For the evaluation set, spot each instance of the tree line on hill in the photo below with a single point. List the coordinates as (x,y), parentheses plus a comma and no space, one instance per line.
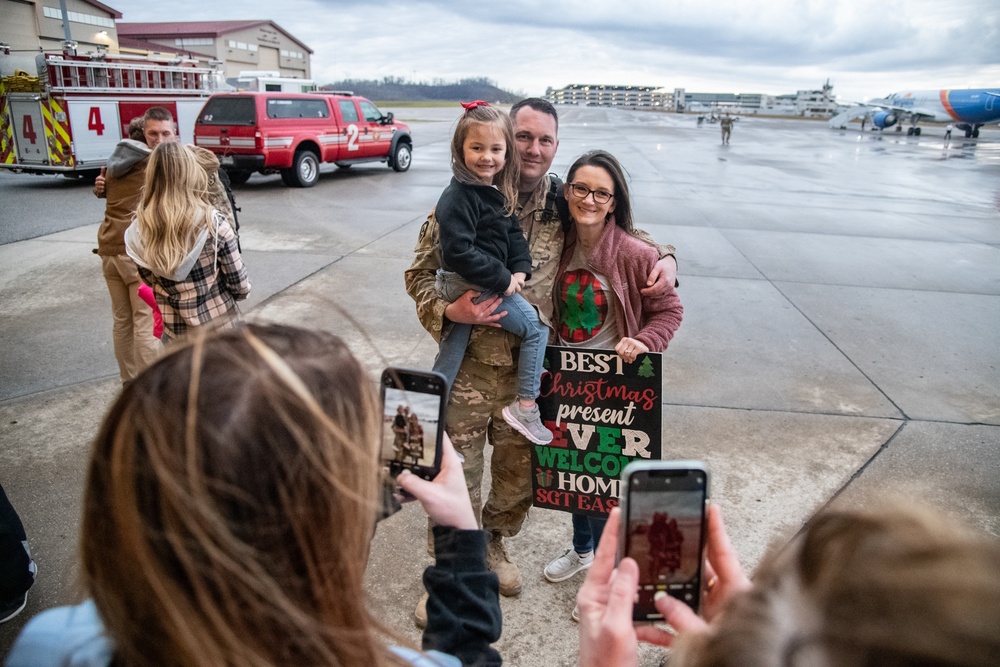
(395,89)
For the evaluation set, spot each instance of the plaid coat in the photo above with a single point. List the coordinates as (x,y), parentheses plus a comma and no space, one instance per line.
(209,292)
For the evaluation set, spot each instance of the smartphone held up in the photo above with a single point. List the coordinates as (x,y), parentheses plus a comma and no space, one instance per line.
(663,529)
(413,404)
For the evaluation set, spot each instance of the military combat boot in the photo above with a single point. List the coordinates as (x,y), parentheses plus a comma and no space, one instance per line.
(499,562)
(420,613)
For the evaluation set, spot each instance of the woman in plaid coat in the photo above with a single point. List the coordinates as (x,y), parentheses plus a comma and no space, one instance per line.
(185,249)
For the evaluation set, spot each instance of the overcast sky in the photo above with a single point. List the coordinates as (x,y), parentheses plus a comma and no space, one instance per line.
(867,48)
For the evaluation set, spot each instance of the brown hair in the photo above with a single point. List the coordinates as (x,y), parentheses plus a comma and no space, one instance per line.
(230,500)
(507,178)
(610,164)
(157,113)
(538,104)
(892,586)
(135,129)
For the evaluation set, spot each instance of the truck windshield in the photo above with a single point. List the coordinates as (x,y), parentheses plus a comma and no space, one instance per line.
(229,111)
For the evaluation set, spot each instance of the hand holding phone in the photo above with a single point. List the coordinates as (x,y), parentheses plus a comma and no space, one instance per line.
(607,635)
(663,530)
(446,499)
(606,600)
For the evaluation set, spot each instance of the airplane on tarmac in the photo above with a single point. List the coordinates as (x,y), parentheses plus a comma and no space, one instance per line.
(969,109)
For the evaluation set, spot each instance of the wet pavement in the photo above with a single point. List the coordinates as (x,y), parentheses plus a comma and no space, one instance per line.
(841,338)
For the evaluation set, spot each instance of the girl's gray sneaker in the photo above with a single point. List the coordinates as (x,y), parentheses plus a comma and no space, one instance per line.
(527,422)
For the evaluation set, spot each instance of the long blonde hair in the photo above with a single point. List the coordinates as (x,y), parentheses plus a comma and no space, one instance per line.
(231,498)
(173,208)
(215,195)
(506,179)
(896,585)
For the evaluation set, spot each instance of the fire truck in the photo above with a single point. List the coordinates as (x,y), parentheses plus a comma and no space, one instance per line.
(69,115)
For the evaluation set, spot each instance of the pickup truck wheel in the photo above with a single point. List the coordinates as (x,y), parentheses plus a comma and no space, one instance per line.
(238,176)
(402,157)
(304,171)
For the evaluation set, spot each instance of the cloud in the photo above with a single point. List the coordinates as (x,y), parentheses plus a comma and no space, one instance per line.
(779,46)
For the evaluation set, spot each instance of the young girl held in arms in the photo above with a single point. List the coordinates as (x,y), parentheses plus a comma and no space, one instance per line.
(484,249)
(184,248)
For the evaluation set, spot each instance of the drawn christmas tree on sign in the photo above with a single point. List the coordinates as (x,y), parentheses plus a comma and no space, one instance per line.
(646,368)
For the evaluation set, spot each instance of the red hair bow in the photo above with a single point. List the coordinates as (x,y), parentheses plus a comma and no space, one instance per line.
(473,105)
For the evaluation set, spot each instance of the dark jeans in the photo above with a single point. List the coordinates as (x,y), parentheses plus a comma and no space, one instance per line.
(587,531)
(16,567)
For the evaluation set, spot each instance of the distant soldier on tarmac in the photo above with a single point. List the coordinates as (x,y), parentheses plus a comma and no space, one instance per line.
(726,122)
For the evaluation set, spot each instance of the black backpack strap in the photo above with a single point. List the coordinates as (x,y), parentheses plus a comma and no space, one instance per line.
(555,197)
(224,179)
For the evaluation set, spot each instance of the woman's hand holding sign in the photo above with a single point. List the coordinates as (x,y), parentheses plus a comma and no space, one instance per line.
(629,348)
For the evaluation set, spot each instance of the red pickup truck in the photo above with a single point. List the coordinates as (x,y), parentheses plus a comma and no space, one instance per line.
(292,133)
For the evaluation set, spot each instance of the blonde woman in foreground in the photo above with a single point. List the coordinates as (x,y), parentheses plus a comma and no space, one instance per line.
(232,494)
(892,586)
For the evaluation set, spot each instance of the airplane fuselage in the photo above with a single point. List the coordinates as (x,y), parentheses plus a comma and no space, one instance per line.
(970,105)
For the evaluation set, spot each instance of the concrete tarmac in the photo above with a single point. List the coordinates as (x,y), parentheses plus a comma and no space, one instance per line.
(841,338)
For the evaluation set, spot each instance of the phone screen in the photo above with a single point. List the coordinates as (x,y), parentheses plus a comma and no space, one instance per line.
(664,533)
(412,421)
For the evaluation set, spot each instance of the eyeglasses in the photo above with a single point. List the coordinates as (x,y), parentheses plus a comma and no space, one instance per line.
(581,192)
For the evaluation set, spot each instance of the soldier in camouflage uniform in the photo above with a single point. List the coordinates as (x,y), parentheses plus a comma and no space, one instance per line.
(487,380)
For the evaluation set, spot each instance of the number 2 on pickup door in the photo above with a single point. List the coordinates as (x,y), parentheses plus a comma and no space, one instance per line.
(352,137)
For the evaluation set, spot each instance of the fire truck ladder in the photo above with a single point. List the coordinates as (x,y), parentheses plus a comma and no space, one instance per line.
(77,76)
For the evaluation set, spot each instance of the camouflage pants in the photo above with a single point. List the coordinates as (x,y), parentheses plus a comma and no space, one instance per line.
(479,394)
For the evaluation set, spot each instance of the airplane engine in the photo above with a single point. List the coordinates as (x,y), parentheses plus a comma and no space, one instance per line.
(884,119)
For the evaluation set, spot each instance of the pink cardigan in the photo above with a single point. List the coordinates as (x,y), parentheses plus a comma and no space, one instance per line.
(627,262)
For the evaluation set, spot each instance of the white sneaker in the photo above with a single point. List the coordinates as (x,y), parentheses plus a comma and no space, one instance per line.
(567,565)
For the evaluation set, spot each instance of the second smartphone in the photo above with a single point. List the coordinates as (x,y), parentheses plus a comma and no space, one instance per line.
(663,530)
(413,405)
